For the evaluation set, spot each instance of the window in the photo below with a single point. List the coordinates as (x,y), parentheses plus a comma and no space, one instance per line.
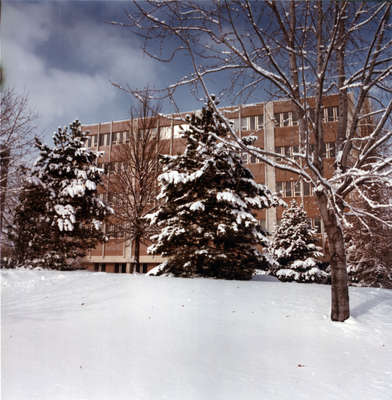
(101,139)
(277,119)
(244,123)
(330,150)
(311,114)
(284,188)
(253,159)
(306,188)
(252,121)
(109,167)
(116,268)
(317,224)
(279,187)
(142,268)
(323,149)
(119,228)
(100,267)
(119,166)
(165,132)
(288,189)
(295,151)
(297,189)
(287,151)
(154,131)
(294,118)
(331,113)
(123,268)
(244,158)
(260,121)
(236,124)
(286,119)
(114,137)
(89,141)
(111,230)
(279,150)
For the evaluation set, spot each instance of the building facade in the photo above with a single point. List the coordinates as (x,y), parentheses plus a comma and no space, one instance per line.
(276,128)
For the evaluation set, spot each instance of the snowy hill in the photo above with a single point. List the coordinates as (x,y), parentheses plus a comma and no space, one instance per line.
(81,335)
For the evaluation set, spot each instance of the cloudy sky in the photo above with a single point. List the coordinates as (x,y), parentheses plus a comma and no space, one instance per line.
(64,56)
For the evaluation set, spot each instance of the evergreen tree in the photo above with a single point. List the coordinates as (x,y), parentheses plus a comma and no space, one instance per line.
(206,220)
(60,213)
(294,249)
(368,240)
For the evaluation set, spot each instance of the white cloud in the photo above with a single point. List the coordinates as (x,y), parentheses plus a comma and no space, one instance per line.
(60,95)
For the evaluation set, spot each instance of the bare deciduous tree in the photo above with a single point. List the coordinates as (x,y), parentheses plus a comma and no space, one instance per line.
(133,182)
(302,51)
(16,138)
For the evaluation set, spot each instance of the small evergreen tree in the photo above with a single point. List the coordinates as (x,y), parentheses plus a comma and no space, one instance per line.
(294,249)
(206,220)
(60,213)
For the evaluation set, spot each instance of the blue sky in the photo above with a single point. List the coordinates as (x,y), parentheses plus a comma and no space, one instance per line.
(64,56)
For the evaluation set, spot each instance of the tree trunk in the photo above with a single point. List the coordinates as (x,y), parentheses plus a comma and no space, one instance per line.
(137,253)
(5,154)
(340,305)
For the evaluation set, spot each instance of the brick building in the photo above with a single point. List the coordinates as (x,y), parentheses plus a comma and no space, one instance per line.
(275,125)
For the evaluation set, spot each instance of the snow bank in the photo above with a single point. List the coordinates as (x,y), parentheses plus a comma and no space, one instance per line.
(82,335)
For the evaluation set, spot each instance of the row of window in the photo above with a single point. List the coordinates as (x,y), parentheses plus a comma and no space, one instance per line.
(114,231)
(121,268)
(100,267)
(253,123)
(290,118)
(113,166)
(327,150)
(293,189)
(105,139)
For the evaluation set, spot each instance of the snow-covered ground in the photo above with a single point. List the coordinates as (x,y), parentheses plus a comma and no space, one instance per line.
(82,335)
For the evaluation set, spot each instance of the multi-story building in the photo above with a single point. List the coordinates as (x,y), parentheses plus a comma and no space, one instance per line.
(276,128)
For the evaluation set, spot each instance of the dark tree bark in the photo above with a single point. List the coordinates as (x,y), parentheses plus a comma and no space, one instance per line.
(340,304)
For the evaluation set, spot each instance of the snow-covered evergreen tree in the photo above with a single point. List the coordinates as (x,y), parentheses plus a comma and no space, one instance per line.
(368,240)
(294,250)
(208,226)
(60,213)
